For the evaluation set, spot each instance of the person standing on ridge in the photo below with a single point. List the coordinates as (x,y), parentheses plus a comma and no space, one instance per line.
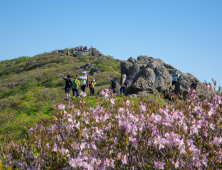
(91,86)
(83,80)
(175,77)
(75,86)
(69,84)
(123,84)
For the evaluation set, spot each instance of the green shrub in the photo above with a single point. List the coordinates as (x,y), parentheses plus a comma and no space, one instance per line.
(85,58)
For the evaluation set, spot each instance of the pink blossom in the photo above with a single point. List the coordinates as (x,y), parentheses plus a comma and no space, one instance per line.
(112,100)
(142,108)
(31,130)
(54,149)
(61,107)
(83,94)
(127,102)
(193,129)
(124,159)
(159,165)
(217,141)
(212,126)
(106,162)
(133,140)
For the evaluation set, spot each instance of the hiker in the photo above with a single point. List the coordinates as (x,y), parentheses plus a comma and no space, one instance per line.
(175,77)
(123,84)
(83,81)
(91,86)
(69,84)
(75,86)
(113,85)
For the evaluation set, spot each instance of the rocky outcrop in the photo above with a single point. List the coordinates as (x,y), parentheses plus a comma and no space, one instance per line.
(150,74)
(186,81)
(9,65)
(56,52)
(147,73)
(94,71)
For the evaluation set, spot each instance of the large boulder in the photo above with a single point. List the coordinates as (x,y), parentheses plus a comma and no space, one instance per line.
(143,80)
(186,81)
(162,78)
(130,69)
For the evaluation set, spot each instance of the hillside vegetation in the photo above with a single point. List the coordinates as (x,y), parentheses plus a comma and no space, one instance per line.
(29,85)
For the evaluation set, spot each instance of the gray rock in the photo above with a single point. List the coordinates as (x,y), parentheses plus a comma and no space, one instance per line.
(162,77)
(143,59)
(142,93)
(56,52)
(132,60)
(130,70)
(31,62)
(133,95)
(94,71)
(186,81)
(87,66)
(144,80)
(10,64)
(68,53)
(78,67)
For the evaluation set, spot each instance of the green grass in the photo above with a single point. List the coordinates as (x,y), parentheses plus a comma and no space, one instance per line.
(32,84)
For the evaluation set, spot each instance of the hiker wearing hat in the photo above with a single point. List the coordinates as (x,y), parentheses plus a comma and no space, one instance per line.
(175,77)
(69,84)
(83,81)
(91,86)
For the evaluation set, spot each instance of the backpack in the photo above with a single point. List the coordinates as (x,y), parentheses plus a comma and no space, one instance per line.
(113,84)
(126,83)
(76,84)
(70,83)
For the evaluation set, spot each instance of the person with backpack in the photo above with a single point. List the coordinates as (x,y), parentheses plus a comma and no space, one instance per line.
(123,84)
(75,86)
(113,85)
(91,86)
(69,84)
(83,81)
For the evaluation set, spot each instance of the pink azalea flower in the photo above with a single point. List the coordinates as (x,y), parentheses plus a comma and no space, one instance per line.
(159,165)
(112,100)
(83,94)
(124,159)
(142,108)
(106,162)
(61,107)
(31,130)
(54,149)
(127,102)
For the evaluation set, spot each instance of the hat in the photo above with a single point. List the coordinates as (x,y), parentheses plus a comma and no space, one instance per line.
(83,72)
(93,79)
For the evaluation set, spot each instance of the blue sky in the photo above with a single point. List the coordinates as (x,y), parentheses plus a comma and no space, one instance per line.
(184,33)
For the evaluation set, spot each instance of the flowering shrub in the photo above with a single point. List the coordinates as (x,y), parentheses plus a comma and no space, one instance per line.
(180,135)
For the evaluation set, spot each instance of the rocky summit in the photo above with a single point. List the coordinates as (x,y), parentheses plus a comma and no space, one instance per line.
(147,74)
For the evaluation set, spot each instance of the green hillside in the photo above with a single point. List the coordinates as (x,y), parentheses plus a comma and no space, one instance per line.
(29,85)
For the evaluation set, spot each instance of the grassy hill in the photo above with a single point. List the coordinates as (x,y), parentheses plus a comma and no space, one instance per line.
(29,85)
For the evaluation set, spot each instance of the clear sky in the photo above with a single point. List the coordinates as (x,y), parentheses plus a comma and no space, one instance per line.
(184,33)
